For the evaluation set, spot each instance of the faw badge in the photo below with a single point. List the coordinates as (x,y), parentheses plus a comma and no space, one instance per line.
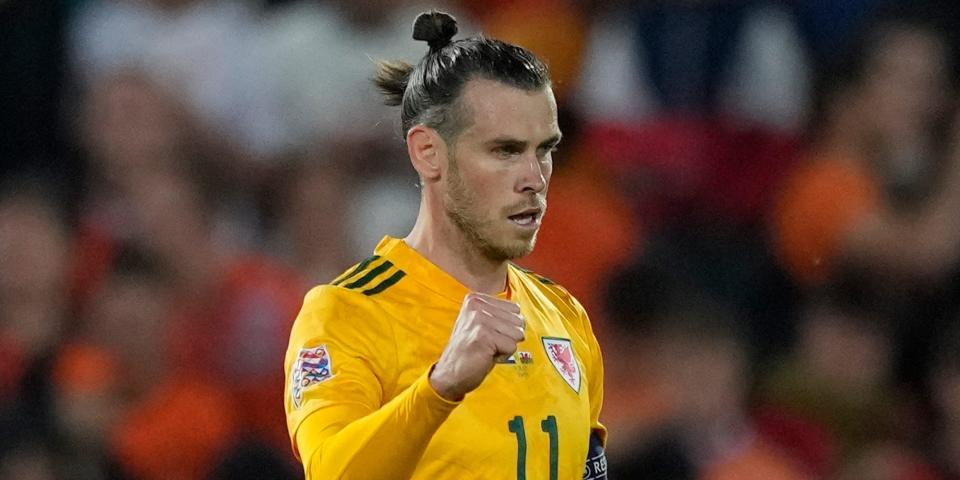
(560,353)
(311,368)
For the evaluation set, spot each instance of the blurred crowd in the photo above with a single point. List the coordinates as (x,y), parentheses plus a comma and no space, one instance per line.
(758,202)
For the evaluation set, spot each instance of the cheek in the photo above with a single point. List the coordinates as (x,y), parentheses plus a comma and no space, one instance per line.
(487,188)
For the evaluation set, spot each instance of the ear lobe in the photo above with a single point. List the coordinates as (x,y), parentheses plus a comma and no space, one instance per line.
(425,149)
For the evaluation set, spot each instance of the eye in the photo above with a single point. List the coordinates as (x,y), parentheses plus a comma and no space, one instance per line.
(506,151)
(546,152)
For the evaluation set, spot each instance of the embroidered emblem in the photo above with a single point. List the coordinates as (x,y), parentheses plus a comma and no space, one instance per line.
(521,357)
(560,353)
(525,358)
(312,367)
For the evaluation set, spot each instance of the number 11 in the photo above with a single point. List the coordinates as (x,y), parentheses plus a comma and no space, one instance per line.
(548,426)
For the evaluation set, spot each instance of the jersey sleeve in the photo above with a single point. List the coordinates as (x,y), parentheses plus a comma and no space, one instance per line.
(594,375)
(340,361)
(593,360)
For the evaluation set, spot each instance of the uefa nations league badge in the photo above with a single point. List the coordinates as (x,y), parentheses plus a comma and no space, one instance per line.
(312,367)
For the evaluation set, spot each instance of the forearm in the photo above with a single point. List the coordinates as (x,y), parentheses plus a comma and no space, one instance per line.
(383,444)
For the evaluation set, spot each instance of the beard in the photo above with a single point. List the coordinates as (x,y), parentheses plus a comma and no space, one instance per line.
(461,206)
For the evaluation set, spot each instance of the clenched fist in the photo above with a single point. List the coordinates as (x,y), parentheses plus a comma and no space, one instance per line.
(486,329)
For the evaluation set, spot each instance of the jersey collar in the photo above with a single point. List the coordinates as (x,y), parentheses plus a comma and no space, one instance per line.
(429,275)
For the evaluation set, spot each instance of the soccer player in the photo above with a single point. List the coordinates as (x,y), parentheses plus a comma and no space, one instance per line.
(437,358)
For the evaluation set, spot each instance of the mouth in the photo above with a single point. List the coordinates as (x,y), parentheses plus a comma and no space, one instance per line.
(528,218)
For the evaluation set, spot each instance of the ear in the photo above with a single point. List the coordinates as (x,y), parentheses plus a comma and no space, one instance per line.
(427,152)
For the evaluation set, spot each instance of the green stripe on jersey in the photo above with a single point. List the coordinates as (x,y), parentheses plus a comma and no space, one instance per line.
(370,275)
(358,268)
(386,283)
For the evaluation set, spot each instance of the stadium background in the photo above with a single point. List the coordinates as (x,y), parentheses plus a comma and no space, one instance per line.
(177,173)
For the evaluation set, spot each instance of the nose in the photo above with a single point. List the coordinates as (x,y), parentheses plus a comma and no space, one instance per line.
(535,175)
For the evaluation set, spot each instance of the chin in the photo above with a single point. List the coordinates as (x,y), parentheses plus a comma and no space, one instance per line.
(518,249)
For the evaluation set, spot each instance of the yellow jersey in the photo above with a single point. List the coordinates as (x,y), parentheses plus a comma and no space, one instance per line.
(359,404)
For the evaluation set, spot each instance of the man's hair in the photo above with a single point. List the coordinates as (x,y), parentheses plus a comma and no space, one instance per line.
(428,93)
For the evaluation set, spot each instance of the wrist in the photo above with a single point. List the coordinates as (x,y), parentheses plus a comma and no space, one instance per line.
(443,388)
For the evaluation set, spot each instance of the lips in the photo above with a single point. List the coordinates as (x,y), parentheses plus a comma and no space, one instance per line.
(528,217)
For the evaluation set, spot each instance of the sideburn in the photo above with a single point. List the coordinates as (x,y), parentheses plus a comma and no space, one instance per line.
(457,207)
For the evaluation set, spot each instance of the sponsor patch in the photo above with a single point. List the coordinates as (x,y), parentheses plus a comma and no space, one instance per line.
(560,353)
(312,367)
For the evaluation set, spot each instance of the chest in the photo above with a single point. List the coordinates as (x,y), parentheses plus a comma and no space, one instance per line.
(533,410)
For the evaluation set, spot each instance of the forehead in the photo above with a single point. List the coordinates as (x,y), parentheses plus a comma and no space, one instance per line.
(498,110)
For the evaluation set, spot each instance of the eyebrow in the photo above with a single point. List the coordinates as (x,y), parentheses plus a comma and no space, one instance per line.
(551,142)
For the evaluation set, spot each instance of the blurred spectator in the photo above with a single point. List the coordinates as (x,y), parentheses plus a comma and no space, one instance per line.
(231,309)
(554,30)
(86,405)
(320,213)
(34,314)
(122,406)
(35,248)
(838,380)
(131,127)
(135,130)
(234,302)
(860,200)
(208,50)
(613,84)
(695,59)
(226,326)
(697,364)
(309,214)
(682,170)
(944,384)
(321,56)
(888,462)
(30,459)
(635,405)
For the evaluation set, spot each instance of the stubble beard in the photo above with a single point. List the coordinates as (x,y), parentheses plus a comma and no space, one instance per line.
(458,206)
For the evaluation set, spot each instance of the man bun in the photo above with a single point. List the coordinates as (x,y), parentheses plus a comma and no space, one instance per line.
(436,28)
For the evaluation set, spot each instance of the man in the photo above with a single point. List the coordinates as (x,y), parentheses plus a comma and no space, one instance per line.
(436,357)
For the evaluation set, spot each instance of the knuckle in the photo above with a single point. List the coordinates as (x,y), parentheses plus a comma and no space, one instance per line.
(470,300)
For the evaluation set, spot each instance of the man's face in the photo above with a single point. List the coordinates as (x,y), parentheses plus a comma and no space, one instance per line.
(906,84)
(499,167)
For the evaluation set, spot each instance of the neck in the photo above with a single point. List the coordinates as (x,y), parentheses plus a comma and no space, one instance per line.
(440,241)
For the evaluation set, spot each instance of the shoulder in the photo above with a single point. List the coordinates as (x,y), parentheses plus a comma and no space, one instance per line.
(552,291)
(553,296)
(351,301)
(356,287)
(371,277)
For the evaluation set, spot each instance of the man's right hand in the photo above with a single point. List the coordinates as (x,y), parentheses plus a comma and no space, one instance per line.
(486,329)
